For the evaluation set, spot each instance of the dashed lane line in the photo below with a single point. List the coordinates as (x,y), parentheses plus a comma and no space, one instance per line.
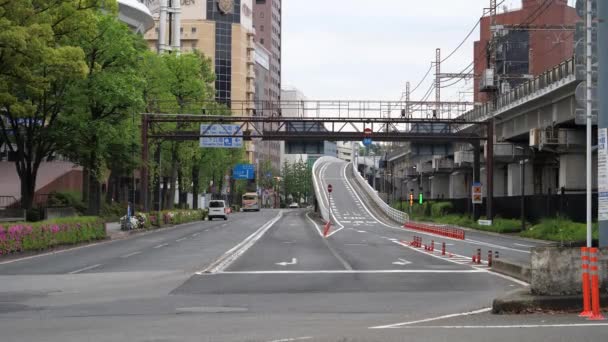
(161,245)
(84,269)
(130,254)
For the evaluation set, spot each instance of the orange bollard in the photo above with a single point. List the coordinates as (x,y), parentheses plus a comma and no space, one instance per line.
(586,286)
(432,245)
(478,255)
(443,248)
(489,258)
(596,315)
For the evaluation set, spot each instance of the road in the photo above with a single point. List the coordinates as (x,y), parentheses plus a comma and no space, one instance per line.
(269,276)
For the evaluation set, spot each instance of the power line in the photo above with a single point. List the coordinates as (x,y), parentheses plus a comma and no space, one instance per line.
(423,78)
(468,34)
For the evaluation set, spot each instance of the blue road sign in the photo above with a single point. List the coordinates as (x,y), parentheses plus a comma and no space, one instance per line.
(236,141)
(367,141)
(243,171)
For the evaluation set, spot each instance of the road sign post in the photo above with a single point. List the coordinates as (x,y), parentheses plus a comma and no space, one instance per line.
(476,193)
(328,224)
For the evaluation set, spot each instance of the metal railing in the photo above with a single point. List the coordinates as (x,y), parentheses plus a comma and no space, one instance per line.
(549,77)
(394,214)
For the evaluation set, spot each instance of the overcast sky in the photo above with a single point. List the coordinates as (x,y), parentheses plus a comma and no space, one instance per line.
(362,49)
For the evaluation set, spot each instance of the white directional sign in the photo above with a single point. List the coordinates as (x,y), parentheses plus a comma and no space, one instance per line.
(401,262)
(285,263)
(234,141)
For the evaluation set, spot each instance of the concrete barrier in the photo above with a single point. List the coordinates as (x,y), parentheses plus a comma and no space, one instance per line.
(556,271)
(512,269)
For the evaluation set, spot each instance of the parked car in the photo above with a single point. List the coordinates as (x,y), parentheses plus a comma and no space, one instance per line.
(294,205)
(217,209)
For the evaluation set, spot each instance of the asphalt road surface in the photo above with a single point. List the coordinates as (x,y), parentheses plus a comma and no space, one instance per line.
(271,276)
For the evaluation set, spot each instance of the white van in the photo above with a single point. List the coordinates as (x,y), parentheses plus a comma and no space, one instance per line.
(217,208)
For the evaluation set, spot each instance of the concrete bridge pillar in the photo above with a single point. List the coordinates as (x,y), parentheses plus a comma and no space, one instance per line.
(459,185)
(572,171)
(514,179)
(499,181)
(425,185)
(440,186)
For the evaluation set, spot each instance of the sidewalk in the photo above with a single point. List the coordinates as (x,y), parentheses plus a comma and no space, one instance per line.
(113,231)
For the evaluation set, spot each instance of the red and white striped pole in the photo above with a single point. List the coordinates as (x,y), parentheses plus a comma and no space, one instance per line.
(596,315)
(586,286)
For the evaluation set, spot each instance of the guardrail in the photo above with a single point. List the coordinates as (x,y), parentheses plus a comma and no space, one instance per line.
(557,73)
(455,233)
(316,167)
(394,214)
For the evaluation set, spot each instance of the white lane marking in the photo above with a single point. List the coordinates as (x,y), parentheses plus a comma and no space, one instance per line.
(235,252)
(361,201)
(346,221)
(331,249)
(179,240)
(402,262)
(324,186)
(315,224)
(396,325)
(289,242)
(85,269)
(475,242)
(335,231)
(522,245)
(161,245)
(361,231)
(224,225)
(460,260)
(517,326)
(348,272)
(293,339)
(285,263)
(130,254)
(195,234)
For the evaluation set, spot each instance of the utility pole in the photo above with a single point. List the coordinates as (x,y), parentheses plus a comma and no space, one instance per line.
(588,23)
(438,83)
(602,50)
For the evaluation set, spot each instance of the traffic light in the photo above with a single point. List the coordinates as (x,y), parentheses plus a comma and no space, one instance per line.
(420,198)
(411,199)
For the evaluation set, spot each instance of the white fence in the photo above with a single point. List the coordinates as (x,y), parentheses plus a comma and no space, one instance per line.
(394,214)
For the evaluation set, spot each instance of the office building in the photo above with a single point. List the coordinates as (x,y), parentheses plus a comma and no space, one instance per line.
(267,23)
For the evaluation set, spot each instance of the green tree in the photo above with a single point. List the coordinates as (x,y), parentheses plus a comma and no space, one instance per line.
(38,64)
(103,101)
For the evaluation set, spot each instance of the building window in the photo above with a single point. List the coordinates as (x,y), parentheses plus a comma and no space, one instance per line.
(194,30)
(262,41)
(181,30)
(260,2)
(261,28)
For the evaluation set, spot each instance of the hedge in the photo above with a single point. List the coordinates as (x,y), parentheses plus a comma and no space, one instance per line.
(22,236)
(157,219)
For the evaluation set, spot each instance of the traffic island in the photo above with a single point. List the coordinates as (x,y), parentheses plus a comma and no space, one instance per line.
(522,301)
(555,276)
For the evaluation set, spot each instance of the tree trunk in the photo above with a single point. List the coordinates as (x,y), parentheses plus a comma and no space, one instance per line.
(170,195)
(183,194)
(94,196)
(94,184)
(165,191)
(85,185)
(27,177)
(111,189)
(195,185)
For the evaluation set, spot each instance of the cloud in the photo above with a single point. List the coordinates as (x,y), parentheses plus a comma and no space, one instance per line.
(368,49)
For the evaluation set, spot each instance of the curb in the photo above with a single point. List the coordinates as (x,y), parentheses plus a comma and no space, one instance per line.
(522,301)
(512,269)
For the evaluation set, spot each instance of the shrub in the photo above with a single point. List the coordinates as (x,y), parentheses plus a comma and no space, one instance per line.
(559,229)
(441,208)
(67,199)
(23,236)
(114,211)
